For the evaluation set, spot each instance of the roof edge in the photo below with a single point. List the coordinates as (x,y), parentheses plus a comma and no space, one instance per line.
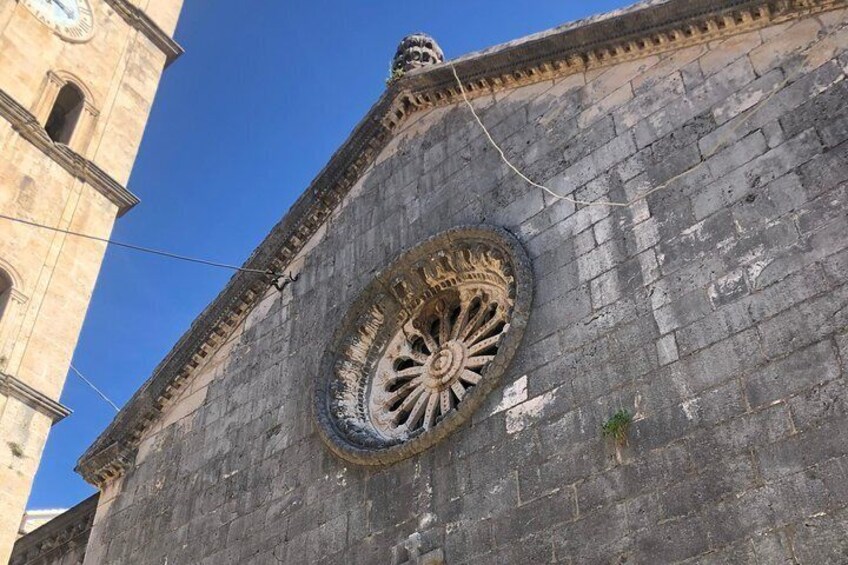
(554,54)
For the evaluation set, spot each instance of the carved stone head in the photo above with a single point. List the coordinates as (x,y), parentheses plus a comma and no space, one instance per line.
(417,50)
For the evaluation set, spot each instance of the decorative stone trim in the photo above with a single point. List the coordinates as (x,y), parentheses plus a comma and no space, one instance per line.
(18,296)
(560,52)
(423,345)
(69,529)
(30,129)
(553,55)
(416,51)
(15,388)
(135,17)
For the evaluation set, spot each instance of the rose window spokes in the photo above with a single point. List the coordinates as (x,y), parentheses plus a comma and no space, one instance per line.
(436,360)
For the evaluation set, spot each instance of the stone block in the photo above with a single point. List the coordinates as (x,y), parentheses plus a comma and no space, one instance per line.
(802,450)
(742,183)
(667,350)
(821,111)
(703,486)
(655,471)
(818,404)
(779,49)
(605,106)
(805,323)
(726,321)
(802,370)
(607,529)
(669,63)
(727,50)
(785,101)
(822,538)
(715,89)
(748,97)
(775,200)
(649,101)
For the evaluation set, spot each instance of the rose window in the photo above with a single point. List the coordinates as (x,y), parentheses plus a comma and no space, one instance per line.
(424,345)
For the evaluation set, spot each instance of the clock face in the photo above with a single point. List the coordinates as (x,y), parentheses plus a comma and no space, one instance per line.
(71,19)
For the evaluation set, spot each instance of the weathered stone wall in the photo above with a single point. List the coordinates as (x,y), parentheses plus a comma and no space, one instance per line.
(53,274)
(714,310)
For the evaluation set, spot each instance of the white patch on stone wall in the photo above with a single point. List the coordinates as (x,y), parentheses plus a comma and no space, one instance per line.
(427,520)
(667,350)
(726,285)
(640,211)
(665,317)
(526,413)
(743,102)
(690,409)
(755,270)
(649,267)
(637,408)
(144,448)
(513,394)
(260,310)
(726,243)
(696,231)
(582,419)
(753,255)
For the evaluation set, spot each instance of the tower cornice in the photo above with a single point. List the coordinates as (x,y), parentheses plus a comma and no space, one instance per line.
(16,388)
(137,18)
(84,169)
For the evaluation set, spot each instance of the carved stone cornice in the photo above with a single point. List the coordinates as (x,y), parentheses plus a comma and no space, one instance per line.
(30,129)
(16,388)
(69,529)
(135,17)
(571,49)
(555,54)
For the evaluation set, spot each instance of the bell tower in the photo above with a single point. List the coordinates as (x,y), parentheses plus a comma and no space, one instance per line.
(77,81)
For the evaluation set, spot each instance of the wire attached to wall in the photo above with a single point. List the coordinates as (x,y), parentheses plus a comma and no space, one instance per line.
(719,145)
(94,388)
(278,280)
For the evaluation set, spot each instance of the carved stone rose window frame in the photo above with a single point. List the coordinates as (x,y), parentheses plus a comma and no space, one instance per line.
(423,345)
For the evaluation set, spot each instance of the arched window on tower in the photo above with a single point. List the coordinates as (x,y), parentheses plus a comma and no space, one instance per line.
(65,114)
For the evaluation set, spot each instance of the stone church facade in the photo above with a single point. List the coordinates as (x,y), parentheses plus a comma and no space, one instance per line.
(433,385)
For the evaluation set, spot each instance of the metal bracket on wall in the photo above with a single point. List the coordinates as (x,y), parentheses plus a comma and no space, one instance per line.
(281,280)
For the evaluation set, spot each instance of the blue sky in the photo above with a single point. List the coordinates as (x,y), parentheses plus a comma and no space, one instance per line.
(242,123)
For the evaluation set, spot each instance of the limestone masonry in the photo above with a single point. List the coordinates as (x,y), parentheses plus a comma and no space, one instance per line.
(700,283)
(72,113)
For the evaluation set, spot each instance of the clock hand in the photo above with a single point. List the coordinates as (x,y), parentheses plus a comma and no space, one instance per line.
(61,4)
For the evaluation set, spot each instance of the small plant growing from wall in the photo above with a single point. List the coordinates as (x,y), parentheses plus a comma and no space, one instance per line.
(618,427)
(395,74)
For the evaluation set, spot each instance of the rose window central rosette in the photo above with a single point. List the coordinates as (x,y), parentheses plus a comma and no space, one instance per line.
(423,345)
